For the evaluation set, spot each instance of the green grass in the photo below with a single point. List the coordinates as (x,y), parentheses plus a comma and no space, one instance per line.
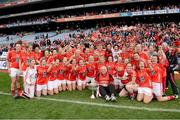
(10,108)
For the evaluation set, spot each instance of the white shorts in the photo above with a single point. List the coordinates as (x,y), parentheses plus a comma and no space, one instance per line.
(52,85)
(81,82)
(41,87)
(116,81)
(60,82)
(71,82)
(145,90)
(157,89)
(90,79)
(14,72)
(29,90)
(23,74)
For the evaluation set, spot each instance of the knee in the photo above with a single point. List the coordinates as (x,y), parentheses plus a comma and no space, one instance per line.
(146,101)
(13,81)
(139,99)
(38,94)
(121,94)
(128,87)
(159,100)
(50,92)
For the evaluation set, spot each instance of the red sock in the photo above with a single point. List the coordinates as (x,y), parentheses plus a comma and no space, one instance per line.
(19,92)
(132,94)
(19,89)
(12,92)
(171,97)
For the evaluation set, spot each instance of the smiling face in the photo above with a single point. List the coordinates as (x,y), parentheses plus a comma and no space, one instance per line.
(54,52)
(136,57)
(103,70)
(30,48)
(57,62)
(108,47)
(46,53)
(141,65)
(154,59)
(43,62)
(81,63)
(37,49)
(74,61)
(18,47)
(129,67)
(101,59)
(32,63)
(116,48)
(110,59)
(65,60)
(91,59)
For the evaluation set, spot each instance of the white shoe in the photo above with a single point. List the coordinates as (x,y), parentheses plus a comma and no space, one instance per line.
(113,98)
(176,96)
(107,98)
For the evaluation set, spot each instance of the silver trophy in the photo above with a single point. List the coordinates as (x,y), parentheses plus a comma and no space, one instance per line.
(93,88)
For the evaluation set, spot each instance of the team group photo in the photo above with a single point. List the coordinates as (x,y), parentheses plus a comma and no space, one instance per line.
(89,59)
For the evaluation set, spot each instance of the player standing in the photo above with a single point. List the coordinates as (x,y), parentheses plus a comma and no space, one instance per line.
(14,68)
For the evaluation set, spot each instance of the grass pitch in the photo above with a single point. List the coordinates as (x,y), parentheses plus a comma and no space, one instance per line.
(78,105)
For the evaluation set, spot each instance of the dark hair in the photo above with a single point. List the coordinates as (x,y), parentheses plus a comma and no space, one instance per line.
(19,42)
(157,58)
(116,45)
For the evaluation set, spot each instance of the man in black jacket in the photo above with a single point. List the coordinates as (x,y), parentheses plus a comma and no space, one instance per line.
(173,62)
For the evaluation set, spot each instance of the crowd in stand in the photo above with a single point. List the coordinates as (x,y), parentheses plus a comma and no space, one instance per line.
(89,12)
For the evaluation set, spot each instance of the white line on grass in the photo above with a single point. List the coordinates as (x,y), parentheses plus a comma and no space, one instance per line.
(104,105)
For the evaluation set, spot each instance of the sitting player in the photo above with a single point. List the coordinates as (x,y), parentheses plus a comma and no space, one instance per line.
(30,80)
(129,81)
(145,84)
(105,82)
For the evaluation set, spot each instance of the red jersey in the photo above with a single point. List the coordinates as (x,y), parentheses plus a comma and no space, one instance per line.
(163,65)
(117,72)
(72,73)
(37,56)
(69,54)
(62,75)
(110,67)
(53,73)
(124,55)
(91,70)
(98,67)
(14,58)
(50,59)
(143,55)
(82,72)
(144,79)
(104,79)
(86,56)
(26,57)
(130,75)
(42,75)
(156,74)
(100,52)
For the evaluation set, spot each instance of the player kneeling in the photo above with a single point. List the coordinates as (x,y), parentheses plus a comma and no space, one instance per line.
(72,75)
(91,71)
(62,74)
(156,76)
(53,82)
(42,78)
(105,82)
(82,74)
(145,85)
(30,80)
(129,81)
